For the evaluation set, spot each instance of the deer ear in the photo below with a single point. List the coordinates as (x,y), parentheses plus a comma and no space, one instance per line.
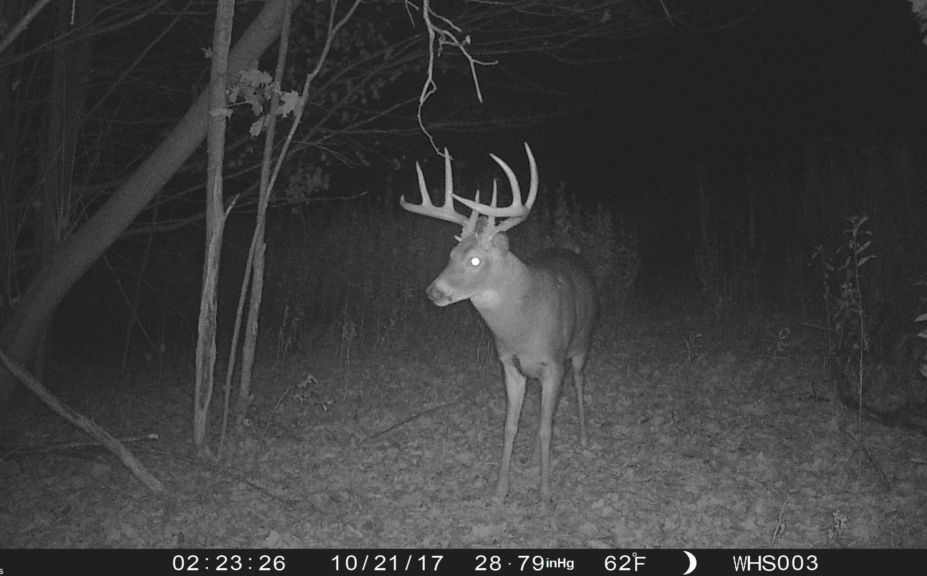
(500,242)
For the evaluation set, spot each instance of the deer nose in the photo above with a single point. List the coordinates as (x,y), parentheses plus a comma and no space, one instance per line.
(438,295)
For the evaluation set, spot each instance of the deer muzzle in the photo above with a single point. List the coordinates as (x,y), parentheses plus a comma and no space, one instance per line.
(440,293)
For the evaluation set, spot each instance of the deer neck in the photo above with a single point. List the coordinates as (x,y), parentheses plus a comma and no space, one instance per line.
(501,305)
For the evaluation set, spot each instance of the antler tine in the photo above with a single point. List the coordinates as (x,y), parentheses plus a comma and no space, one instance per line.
(448,180)
(469,226)
(426,208)
(533,184)
(517,210)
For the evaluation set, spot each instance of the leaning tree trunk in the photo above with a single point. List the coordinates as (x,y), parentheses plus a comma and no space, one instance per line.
(26,325)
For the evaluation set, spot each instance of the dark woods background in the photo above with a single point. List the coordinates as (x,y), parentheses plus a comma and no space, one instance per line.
(736,160)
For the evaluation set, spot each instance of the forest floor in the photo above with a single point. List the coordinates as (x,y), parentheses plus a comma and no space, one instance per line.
(702,434)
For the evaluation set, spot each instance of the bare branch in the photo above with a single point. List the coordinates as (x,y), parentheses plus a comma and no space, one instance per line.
(22,24)
(91,30)
(441,36)
(304,96)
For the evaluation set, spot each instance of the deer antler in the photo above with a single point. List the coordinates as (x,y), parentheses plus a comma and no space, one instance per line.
(445,211)
(515,212)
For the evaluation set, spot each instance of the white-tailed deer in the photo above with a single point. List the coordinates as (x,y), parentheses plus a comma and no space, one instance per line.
(541,313)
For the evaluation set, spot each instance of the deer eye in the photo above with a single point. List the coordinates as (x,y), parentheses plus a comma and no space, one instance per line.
(475,261)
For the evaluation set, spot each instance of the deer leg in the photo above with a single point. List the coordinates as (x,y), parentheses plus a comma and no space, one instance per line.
(578,362)
(515,394)
(551,376)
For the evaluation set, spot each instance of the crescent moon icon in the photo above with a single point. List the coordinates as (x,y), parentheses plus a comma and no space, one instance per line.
(692,562)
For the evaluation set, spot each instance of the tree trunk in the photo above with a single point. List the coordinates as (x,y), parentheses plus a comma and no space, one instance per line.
(27,324)
(215,226)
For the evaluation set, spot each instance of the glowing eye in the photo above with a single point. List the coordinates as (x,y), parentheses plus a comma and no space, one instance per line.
(475,261)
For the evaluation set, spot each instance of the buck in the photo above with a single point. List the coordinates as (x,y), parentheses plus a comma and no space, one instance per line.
(541,314)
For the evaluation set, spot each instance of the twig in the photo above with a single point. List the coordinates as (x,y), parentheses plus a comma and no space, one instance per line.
(71,445)
(233,475)
(440,36)
(410,419)
(886,483)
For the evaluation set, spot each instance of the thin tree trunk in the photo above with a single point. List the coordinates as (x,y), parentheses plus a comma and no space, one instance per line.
(21,333)
(137,296)
(215,225)
(258,245)
(70,69)
(7,209)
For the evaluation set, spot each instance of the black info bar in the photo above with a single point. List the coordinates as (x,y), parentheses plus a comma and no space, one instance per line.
(319,562)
